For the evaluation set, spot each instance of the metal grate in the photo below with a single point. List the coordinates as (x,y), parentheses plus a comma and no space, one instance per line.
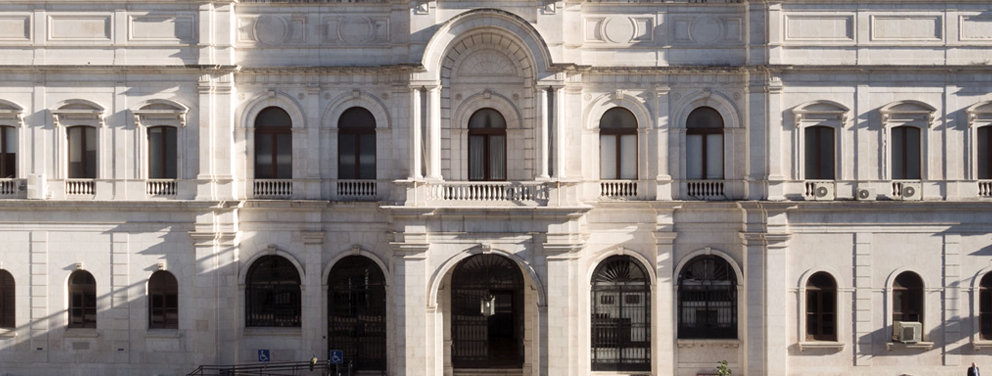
(478,340)
(621,316)
(356,322)
(707,299)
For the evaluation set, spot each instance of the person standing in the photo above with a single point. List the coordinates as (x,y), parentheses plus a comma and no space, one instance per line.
(973,370)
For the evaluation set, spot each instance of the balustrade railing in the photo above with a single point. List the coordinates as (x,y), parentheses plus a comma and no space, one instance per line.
(79,187)
(161,187)
(9,187)
(272,188)
(618,189)
(310,1)
(488,191)
(985,188)
(356,189)
(667,1)
(705,189)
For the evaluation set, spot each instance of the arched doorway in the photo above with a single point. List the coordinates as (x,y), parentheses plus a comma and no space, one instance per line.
(356,313)
(487,307)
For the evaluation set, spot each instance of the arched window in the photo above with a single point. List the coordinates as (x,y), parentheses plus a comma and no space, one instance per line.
(820,152)
(273,144)
(984,156)
(163,301)
(906,157)
(82,152)
(618,144)
(356,144)
(487,145)
(621,316)
(907,298)
(985,307)
(82,300)
(272,293)
(704,144)
(162,152)
(8,152)
(7,301)
(356,306)
(821,308)
(707,299)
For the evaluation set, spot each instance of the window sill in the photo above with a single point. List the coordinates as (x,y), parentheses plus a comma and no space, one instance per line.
(80,333)
(6,333)
(725,343)
(162,333)
(909,346)
(821,345)
(273,332)
(983,344)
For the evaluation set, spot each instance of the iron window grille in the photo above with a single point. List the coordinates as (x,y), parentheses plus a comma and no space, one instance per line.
(621,316)
(272,293)
(356,320)
(480,341)
(707,299)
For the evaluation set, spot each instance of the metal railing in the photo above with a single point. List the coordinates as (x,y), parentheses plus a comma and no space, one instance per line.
(309,1)
(322,368)
(620,189)
(668,1)
(160,187)
(488,191)
(705,189)
(79,187)
(272,188)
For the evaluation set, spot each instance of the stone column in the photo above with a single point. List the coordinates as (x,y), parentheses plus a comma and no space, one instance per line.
(416,118)
(561,252)
(664,178)
(314,327)
(434,132)
(952,302)
(559,131)
(543,130)
(663,329)
(409,340)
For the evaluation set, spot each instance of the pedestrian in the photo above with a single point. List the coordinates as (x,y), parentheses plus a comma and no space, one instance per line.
(973,370)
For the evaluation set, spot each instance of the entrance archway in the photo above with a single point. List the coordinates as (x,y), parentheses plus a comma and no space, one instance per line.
(356,313)
(487,313)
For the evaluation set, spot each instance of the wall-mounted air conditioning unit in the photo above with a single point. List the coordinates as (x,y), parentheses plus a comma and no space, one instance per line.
(908,191)
(37,187)
(823,191)
(907,332)
(865,194)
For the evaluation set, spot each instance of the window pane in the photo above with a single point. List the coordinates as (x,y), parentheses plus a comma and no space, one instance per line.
(11,136)
(497,157)
(826,148)
(171,154)
(367,156)
(617,117)
(984,143)
(704,117)
(628,158)
(346,156)
(75,152)
(898,150)
(913,157)
(476,157)
(263,156)
(608,157)
(714,157)
(155,153)
(90,152)
(694,156)
(284,156)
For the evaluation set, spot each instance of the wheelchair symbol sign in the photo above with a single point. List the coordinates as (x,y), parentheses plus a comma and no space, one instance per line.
(263,355)
(336,356)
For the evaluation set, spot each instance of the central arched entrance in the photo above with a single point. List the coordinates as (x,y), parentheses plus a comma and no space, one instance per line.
(487,306)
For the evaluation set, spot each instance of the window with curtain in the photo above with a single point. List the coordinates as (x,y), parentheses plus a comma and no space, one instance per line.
(985,307)
(273,144)
(356,144)
(707,299)
(984,156)
(821,308)
(487,145)
(163,301)
(82,300)
(704,144)
(618,144)
(907,298)
(621,316)
(82,152)
(8,152)
(162,152)
(272,293)
(820,152)
(906,157)
(7,300)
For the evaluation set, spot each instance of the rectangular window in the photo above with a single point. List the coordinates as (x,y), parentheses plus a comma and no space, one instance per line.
(819,153)
(628,156)
(82,152)
(608,157)
(8,155)
(906,157)
(984,156)
(694,157)
(162,154)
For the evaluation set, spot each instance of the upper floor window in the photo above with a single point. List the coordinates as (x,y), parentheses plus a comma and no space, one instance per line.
(704,144)
(821,308)
(356,144)
(621,316)
(487,145)
(618,144)
(906,157)
(273,144)
(8,152)
(162,154)
(707,296)
(985,307)
(82,152)
(984,156)
(7,300)
(272,293)
(163,301)
(907,298)
(82,300)
(820,152)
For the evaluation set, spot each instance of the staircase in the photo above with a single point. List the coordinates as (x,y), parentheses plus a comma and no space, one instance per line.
(489,372)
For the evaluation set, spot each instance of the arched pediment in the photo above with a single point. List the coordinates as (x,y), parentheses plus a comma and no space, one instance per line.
(908,112)
(160,112)
(11,114)
(821,112)
(79,112)
(980,113)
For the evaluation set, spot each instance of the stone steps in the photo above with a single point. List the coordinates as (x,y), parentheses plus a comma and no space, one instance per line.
(489,372)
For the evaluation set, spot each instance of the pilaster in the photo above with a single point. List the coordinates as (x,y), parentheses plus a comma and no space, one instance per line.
(663,330)
(954,339)
(544,129)
(663,179)
(766,303)
(38,331)
(313,320)
(434,132)
(215,335)
(862,299)
(411,355)
(561,305)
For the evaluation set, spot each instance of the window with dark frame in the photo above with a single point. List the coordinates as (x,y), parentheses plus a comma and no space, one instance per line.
(7,301)
(272,293)
(821,308)
(8,152)
(907,298)
(704,144)
(487,146)
(985,307)
(906,157)
(618,144)
(273,144)
(707,299)
(356,306)
(984,154)
(356,144)
(621,316)
(820,151)
(163,301)
(82,300)
(82,152)
(162,152)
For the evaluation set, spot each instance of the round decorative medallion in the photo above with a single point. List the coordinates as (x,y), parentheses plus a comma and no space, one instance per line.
(618,29)
(737,96)
(458,96)
(271,29)
(355,29)
(241,96)
(299,96)
(327,96)
(385,96)
(516,96)
(676,96)
(588,96)
(705,30)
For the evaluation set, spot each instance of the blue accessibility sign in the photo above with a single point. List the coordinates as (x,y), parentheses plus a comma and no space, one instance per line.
(336,356)
(263,355)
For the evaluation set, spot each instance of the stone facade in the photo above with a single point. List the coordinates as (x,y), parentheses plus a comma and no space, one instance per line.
(770,70)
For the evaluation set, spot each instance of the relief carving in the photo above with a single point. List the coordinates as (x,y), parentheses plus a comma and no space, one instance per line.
(271,30)
(487,63)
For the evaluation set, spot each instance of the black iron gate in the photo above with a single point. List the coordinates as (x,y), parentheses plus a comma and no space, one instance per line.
(356,313)
(487,327)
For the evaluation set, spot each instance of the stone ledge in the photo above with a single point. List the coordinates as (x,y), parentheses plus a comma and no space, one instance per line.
(831,345)
(273,332)
(6,333)
(80,333)
(163,333)
(725,343)
(909,346)
(978,345)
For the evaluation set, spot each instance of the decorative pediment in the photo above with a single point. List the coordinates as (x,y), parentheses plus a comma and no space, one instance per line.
(822,112)
(908,112)
(161,112)
(980,114)
(79,112)
(11,114)
(487,63)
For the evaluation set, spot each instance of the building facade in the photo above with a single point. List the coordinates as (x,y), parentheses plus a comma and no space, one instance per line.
(496,187)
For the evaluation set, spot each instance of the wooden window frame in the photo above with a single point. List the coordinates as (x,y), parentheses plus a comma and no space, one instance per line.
(818,292)
(4,131)
(705,133)
(164,162)
(905,151)
(358,132)
(273,132)
(984,144)
(84,160)
(906,307)
(87,300)
(8,300)
(486,133)
(163,292)
(985,307)
(817,153)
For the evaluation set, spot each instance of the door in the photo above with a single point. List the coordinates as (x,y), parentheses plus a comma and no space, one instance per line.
(356,322)
(487,313)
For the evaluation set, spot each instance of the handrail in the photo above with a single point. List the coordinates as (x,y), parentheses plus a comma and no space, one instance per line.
(273,369)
